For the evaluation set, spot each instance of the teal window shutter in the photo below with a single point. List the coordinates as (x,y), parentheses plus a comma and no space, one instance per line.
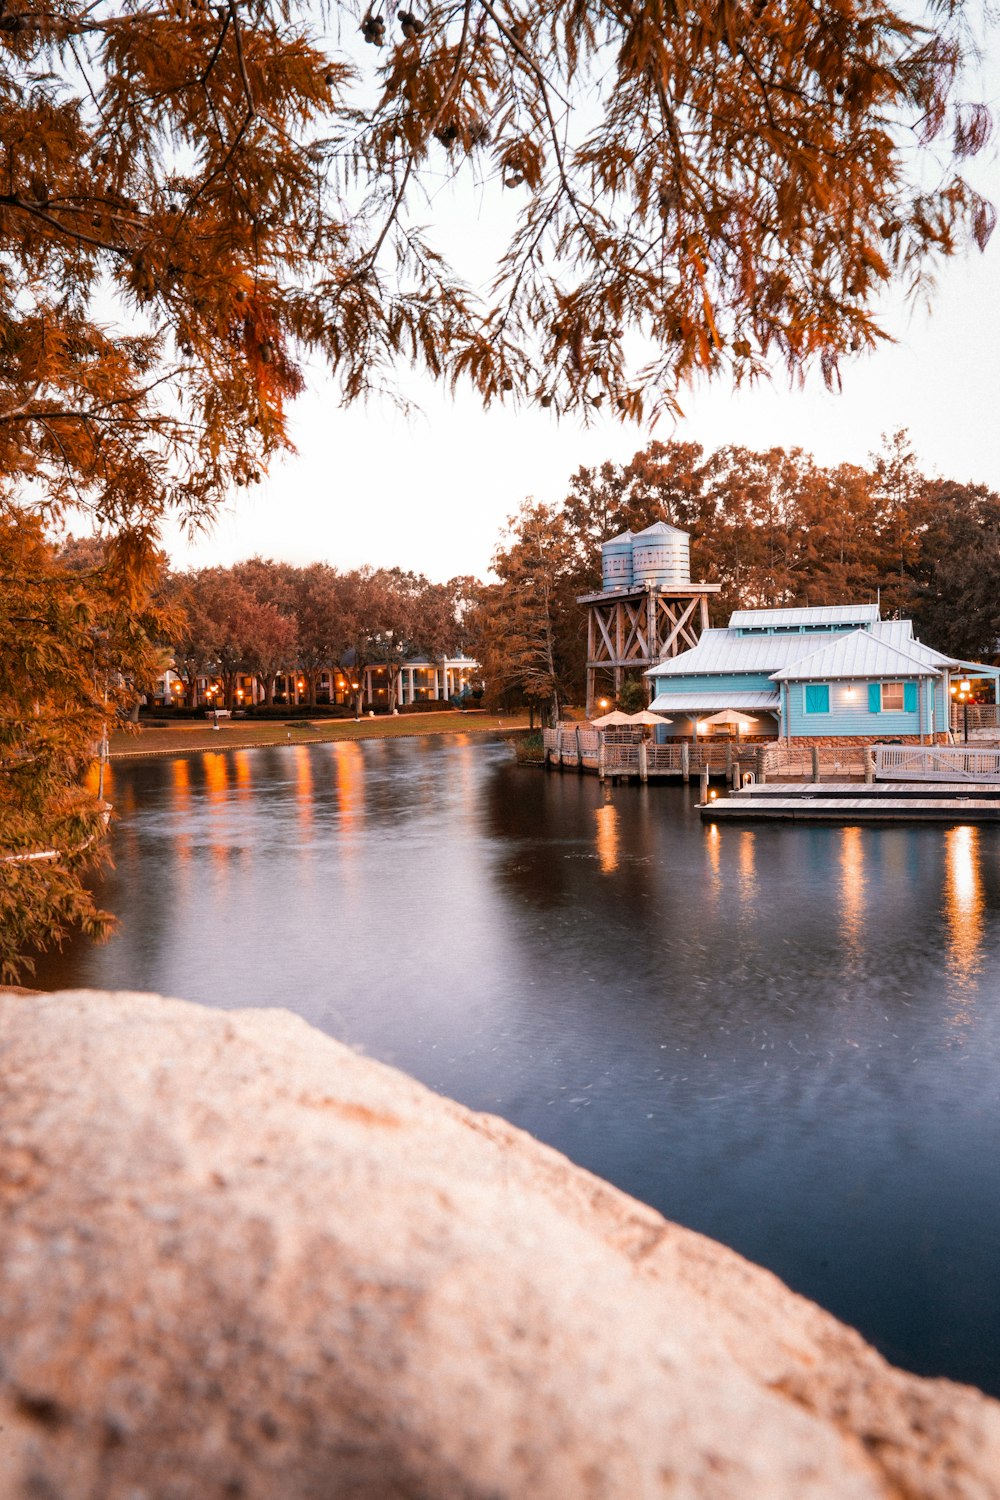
(910,697)
(874,697)
(817,698)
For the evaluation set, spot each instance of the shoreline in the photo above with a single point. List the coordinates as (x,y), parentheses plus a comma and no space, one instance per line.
(193,738)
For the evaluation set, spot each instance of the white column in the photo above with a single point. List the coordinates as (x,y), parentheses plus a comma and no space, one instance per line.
(411,693)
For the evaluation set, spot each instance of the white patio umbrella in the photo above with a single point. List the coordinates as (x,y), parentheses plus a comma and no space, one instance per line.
(647,716)
(616,716)
(731,716)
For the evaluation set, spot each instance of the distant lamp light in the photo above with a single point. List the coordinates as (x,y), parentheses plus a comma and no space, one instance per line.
(964,686)
(744,728)
(851,693)
(703,726)
(712,794)
(602,702)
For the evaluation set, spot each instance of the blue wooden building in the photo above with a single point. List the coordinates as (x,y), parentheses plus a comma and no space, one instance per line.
(813,673)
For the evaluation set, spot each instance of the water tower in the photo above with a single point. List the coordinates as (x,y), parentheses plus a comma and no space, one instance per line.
(647,609)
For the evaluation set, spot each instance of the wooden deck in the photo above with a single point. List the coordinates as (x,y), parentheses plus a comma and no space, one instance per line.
(849,802)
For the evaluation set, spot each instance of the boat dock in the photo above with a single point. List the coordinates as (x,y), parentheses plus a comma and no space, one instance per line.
(851,802)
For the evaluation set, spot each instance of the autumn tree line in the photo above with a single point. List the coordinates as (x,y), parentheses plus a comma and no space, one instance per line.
(261,618)
(773,528)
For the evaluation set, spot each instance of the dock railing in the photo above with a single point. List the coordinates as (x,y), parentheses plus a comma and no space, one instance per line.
(935,763)
(809,762)
(623,752)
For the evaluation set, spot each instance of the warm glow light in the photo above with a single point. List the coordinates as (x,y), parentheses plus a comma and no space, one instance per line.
(964,686)
(607,837)
(703,726)
(744,728)
(712,795)
(851,693)
(602,703)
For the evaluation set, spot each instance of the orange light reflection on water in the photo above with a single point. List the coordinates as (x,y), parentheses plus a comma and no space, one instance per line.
(349,781)
(242,774)
(852,890)
(748,866)
(303,785)
(963,907)
(181,777)
(608,837)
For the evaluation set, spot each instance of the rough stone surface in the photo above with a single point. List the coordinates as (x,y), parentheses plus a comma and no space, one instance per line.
(238,1260)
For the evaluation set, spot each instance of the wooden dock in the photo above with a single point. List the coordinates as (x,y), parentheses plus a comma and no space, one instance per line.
(849,802)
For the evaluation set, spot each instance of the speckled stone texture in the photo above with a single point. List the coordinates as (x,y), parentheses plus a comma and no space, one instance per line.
(239,1260)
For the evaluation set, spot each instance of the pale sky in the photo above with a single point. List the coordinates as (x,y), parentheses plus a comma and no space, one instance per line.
(431,492)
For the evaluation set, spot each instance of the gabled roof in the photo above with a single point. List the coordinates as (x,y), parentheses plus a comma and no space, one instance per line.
(815,615)
(860,654)
(708,702)
(720,650)
(899,633)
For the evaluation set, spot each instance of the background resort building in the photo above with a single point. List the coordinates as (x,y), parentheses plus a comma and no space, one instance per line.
(830,672)
(419,680)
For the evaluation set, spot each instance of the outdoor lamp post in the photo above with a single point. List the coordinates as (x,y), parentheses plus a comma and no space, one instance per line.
(964,693)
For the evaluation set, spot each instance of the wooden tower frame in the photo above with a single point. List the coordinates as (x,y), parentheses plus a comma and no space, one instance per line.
(631,629)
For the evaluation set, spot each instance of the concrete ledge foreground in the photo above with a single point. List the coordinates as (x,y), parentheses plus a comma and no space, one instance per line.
(239,1260)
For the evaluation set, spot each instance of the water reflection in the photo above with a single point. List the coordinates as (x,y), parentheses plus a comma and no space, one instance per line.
(964,907)
(747,857)
(751,1029)
(349,781)
(303,785)
(180,776)
(606,818)
(852,890)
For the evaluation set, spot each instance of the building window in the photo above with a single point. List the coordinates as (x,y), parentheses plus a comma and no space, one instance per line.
(817,697)
(892,697)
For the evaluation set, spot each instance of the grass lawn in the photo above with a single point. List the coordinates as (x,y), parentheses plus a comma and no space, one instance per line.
(193,734)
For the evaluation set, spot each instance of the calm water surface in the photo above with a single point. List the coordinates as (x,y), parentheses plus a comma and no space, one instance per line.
(787,1038)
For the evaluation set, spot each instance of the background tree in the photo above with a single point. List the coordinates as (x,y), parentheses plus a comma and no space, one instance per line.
(525,622)
(52,686)
(957,571)
(318,609)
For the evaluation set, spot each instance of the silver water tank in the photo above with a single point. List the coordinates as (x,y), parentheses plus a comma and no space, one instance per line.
(616,562)
(661,555)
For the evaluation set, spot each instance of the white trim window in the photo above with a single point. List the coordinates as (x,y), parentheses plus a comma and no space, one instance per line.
(893,697)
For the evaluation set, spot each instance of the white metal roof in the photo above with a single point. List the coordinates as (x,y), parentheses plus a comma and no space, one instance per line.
(859,654)
(899,633)
(720,650)
(817,614)
(659,528)
(623,536)
(700,703)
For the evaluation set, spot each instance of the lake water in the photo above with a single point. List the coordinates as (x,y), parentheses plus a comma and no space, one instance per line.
(786,1037)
